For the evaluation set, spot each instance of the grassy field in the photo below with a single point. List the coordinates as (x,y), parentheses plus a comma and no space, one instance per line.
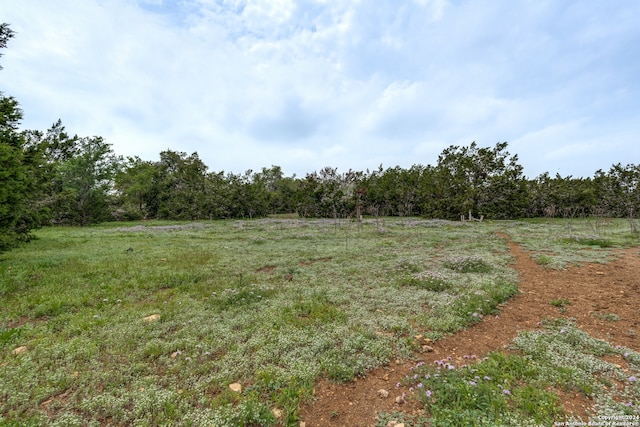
(149,323)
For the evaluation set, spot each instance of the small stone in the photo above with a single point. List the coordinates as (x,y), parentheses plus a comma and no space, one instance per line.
(383,393)
(19,350)
(394,423)
(399,400)
(237,387)
(427,348)
(151,318)
(386,377)
(277,413)
(303,424)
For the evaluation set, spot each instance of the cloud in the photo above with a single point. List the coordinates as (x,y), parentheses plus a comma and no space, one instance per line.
(310,83)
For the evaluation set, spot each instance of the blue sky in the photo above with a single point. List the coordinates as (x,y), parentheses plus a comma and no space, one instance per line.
(345,83)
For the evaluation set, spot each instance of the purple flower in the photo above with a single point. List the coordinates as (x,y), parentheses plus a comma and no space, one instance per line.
(472,383)
(505,391)
(419,385)
(628,404)
(626,355)
(487,378)
(632,378)
(398,385)
(428,393)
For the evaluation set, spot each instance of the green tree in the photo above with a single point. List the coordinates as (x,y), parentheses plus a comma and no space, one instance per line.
(133,184)
(16,170)
(480,181)
(85,182)
(178,187)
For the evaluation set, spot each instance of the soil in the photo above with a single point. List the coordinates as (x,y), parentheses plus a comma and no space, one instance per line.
(593,290)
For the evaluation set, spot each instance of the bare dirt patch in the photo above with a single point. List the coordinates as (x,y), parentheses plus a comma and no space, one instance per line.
(604,300)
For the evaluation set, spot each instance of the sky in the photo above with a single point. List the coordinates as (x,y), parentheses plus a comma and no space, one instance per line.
(351,84)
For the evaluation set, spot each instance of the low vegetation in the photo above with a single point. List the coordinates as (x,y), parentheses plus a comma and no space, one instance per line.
(521,387)
(149,323)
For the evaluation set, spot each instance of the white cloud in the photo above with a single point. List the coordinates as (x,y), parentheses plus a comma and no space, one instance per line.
(306,83)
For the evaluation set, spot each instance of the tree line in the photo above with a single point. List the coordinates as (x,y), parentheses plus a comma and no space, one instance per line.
(54,178)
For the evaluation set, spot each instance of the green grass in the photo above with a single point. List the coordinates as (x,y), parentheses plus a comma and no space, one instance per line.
(557,243)
(521,388)
(274,304)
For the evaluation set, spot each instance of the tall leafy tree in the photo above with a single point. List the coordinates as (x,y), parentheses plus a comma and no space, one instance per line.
(16,170)
(133,184)
(178,187)
(480,181)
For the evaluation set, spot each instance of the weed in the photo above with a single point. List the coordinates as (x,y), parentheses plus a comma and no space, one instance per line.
(467,264)
(483,392)
(560,302)
(609,317)
(543,260)
(431,280)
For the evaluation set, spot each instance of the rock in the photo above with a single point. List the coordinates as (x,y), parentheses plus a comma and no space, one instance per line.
(383,393)
(19,350)
(303,424)
(277,413)
(427,348)
(237,387)
(394,423)
(152,318)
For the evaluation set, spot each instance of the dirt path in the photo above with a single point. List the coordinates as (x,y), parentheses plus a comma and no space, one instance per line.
(594,291)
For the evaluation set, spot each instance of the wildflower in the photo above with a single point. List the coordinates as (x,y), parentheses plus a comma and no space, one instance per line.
(487,378)
(626,354)
(562,331)
(451,367)
(95,316)
(472,383)
(398,385)
(428,393)
(207,353)
(415,377)
(632,378)
(419,385)
(628,404)
(507,392)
